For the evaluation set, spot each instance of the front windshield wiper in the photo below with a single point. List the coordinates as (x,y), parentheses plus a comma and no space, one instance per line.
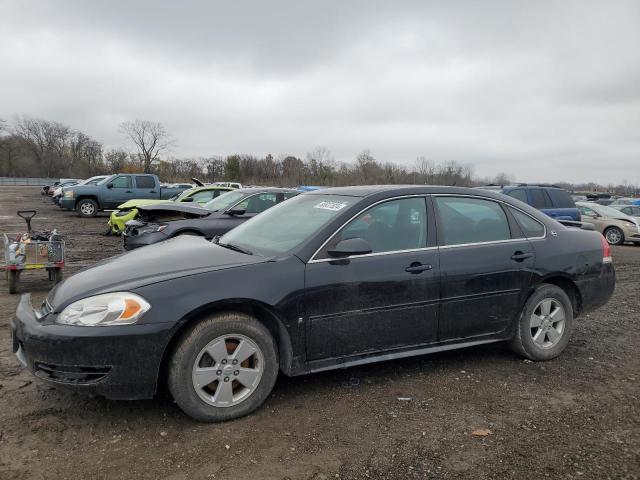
(231,246)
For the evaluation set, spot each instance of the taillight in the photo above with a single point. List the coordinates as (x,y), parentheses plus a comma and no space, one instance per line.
(606,250)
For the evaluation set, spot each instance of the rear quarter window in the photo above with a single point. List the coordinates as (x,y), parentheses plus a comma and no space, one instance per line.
(561,198)
(530,227)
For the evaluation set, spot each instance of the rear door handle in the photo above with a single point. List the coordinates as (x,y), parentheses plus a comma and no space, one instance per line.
(520,256)
(153,191)
(417,267)
(129,191)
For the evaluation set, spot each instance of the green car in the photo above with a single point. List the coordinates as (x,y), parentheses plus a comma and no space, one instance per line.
(129,210)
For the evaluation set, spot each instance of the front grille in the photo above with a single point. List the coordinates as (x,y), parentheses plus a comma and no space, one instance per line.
(76,375)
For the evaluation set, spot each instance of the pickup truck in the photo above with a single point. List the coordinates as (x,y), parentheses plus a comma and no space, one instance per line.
(114,190)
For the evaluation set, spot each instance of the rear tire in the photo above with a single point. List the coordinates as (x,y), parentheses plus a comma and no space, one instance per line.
(545,324)
(211,389)
(87,208)
(614,236)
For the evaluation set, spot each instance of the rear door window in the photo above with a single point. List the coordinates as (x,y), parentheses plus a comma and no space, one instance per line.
(143,181)
(466,220)
(561,198)
(539,198)
(519,194)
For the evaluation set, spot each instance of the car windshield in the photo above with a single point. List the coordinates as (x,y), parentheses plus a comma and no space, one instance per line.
(224,201)
(287,225)
(608,211)
(183,195)
(108,179)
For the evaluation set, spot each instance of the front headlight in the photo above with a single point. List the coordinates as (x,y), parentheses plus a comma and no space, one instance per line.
(69,194)
(119,308)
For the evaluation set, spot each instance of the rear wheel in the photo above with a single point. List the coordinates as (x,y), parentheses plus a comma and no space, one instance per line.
(87,207)
(223,368)
(545,324)
(614,236)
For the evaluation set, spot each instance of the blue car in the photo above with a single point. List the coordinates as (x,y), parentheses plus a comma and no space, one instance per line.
(549,199)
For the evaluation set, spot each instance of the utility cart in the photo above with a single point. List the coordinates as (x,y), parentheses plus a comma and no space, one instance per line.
(32,251)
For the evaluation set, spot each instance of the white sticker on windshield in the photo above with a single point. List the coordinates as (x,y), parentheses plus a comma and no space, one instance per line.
(334,206)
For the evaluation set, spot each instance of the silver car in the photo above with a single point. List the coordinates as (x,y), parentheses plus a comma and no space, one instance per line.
(616,226)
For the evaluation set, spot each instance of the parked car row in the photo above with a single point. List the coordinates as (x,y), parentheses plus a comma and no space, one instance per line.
(297,283)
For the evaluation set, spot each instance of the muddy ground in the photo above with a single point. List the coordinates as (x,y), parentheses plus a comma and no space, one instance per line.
(574,417)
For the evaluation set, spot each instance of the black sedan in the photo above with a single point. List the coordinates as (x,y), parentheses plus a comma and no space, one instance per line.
(329,279)
(159,222)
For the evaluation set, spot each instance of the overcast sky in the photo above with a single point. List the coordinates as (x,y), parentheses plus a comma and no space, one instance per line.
(546,91)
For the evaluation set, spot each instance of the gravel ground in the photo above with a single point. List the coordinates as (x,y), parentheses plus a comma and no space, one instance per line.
(573,417)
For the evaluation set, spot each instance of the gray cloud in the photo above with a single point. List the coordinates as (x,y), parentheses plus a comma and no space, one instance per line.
(544,90)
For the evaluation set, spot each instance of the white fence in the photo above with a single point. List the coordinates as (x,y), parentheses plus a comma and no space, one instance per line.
(27,181)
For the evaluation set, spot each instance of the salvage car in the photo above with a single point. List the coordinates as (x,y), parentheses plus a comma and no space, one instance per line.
(129,210)
(631,210)
(616,226)
(329,279)
(161,222)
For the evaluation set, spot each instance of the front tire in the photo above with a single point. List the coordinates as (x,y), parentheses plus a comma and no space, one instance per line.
(545,324)
(223,368)
(87,208)
(614,236)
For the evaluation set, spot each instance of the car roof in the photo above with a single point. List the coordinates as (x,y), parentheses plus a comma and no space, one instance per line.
(265,189)
(366,190)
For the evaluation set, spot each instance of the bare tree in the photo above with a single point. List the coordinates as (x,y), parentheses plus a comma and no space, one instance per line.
(150,138)
(47,141)
(116,160)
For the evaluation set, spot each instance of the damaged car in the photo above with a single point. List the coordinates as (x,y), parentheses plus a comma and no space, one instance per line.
(157,223)
(329,279)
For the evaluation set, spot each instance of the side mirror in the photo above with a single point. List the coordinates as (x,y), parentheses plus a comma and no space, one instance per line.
(350,246)
(109,185)
(235,211)
(188,199)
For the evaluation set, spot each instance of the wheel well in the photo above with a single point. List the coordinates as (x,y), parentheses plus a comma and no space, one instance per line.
(259,311)
(188,230)
(85,197)
(570,289)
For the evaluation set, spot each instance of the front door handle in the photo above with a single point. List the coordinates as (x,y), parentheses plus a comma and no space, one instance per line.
(417,267)
(521,256)
(129,191)
(153,191)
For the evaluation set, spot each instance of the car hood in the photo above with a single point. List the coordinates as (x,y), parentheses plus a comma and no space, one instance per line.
(176,207)
(139,202)
(173,258)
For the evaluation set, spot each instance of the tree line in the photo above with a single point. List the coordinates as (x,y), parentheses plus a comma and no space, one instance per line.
(33,147)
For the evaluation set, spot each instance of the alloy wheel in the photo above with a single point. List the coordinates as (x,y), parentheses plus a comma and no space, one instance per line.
(87,209)
(227,370)
(613,236)
(547,323)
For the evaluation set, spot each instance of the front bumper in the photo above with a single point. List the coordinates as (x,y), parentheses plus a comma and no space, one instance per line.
(118,220)
(68,203)
(136,241)
(118,362)
(631,234)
